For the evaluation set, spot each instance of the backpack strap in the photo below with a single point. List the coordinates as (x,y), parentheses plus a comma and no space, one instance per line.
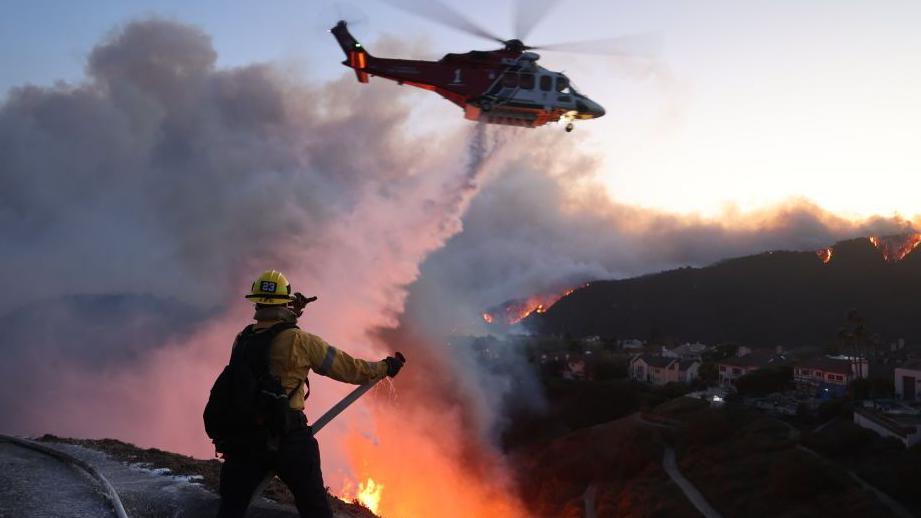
(236,352)
(268,335)
(274,331)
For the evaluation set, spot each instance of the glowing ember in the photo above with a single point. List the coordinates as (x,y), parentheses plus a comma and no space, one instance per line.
(895,248)
(369,494)
(824,254)
(513,312)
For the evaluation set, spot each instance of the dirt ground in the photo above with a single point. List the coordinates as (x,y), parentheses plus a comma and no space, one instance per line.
(207,470)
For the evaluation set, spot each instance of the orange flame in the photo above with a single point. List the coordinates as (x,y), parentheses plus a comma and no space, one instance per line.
(517,311)
(427,471)
(895,248)
(824,254)
(369,494)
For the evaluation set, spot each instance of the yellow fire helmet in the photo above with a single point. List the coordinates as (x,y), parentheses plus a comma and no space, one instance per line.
(271,288)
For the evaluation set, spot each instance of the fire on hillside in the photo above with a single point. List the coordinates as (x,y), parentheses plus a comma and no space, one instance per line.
(824,254)
(514,311)
(893,248)
(368,494)
(896,248)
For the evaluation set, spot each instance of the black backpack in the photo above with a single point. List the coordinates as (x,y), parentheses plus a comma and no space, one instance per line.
(247,411)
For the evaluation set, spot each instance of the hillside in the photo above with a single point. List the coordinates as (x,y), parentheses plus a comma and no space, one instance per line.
(774,298)
(742,463)
(154,483)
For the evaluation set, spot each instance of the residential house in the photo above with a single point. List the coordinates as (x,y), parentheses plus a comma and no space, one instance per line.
(908,380)
(688,370)
(632,344)
(574,369)
(659,370)
(731,369)
(826,377)
(860,367)
(905,428)
(687,351)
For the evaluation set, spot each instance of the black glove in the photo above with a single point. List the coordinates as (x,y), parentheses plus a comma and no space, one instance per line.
(299,303)
(394,364)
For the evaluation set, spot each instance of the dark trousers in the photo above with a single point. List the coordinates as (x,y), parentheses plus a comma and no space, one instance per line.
(297,464)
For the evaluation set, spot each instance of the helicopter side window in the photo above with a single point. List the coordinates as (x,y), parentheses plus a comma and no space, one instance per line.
(562,84)
(546,83)
(510,80)
(527,81)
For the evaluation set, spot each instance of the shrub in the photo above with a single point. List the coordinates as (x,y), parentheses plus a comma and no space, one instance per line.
(765,381)
(840,439)
(609,367)
(795,477)
(708,427)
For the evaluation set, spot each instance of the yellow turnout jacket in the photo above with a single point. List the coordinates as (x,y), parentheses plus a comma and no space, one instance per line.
(296,352)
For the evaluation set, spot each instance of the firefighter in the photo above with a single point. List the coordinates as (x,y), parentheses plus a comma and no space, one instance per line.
(292,354)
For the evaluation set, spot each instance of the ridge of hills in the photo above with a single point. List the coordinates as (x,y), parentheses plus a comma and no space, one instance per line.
(790,298)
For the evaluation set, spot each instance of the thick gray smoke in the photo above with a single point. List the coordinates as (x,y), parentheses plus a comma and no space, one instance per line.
(529,232)
(138,205)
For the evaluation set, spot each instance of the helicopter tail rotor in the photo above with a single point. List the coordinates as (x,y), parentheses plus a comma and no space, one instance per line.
(356,57)
(332,12)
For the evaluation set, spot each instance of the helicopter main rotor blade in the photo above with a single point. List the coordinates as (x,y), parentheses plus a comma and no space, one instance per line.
(438,12)
(646,46)
(331,13)
(528,13)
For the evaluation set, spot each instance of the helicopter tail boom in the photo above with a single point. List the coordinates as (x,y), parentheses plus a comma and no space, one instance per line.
(356,57)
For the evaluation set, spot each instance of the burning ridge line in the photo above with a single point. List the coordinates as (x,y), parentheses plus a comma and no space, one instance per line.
(512,312)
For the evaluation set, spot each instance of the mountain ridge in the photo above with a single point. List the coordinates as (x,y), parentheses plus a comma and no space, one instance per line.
(788,298)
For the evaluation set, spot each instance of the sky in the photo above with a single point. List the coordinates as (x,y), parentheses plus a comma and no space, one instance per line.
(748,104)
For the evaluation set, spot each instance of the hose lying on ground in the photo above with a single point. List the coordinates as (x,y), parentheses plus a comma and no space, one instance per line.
(110,492)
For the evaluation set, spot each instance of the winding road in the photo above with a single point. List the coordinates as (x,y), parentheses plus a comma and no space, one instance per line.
(670,465)
(690,491)
(38,482)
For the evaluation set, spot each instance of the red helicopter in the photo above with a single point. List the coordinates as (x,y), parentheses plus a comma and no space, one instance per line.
(504,86)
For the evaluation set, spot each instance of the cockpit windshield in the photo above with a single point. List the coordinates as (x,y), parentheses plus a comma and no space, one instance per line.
(564,86)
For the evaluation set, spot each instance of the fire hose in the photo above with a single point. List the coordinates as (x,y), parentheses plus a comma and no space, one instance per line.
(324,419)
(107,490)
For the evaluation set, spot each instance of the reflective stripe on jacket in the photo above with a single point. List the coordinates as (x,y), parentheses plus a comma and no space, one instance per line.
(295,352)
